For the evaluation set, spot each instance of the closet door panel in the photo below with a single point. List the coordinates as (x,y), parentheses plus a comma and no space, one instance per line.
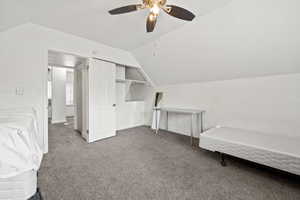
(102,99)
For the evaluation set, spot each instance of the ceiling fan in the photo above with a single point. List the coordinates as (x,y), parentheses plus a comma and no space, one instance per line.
(155,6)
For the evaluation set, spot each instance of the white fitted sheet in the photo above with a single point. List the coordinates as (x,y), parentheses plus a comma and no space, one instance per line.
(19,148)
(20,187)
(276,151)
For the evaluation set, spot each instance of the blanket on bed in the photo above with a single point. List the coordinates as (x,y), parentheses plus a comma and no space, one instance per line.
(19,148)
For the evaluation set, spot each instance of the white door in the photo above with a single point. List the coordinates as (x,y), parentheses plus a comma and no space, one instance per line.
(101,100)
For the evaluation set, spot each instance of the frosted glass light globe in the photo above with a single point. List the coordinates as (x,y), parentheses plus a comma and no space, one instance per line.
(155,9)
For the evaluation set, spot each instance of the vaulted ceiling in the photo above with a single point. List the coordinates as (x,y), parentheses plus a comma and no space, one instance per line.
(228,39)
(90,18)
(245,38)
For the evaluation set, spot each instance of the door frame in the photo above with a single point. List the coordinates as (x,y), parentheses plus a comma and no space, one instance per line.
(45,96)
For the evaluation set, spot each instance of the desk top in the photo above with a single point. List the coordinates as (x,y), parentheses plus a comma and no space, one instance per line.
(180,110)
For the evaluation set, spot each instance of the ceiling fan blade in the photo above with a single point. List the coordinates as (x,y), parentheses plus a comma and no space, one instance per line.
(179,12)
(151,22)
(125,9)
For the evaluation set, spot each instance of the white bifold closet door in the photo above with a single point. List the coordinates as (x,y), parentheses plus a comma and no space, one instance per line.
(101,100)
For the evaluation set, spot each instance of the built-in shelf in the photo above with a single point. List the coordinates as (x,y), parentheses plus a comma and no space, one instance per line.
(120,80)
(130,81)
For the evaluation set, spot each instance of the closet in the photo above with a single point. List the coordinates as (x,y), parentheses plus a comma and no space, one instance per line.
(130,93)
(110,98)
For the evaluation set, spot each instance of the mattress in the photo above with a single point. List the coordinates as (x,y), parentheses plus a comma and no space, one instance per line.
(20,187)
(19,148)
(272,150)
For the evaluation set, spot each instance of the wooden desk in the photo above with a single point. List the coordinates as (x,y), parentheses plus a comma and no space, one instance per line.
(193,112)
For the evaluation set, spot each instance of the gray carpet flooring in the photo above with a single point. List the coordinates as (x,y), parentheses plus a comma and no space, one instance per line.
(138,165)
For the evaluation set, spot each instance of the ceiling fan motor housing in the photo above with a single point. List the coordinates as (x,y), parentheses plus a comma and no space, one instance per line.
(151,3)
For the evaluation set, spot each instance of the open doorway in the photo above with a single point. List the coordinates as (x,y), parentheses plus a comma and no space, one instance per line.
(81,97)
(61,95)
(64,88)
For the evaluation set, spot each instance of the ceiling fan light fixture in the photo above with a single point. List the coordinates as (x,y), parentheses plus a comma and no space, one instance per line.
(152,16)
(155,6)
(155,9)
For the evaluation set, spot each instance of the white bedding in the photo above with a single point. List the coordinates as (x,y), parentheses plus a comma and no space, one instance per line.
(19,148)
(276,151)
(20,187)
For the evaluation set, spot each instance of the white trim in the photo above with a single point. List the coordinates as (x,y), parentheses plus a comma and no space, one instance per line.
(128,127)
(61,66)
(45,106)
(58,122)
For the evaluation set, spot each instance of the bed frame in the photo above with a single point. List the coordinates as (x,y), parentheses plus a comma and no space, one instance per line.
(37,196)
(275,151)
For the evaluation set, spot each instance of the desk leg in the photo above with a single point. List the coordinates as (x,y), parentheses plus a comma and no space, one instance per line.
(198,124)
(202,122)
(167,121)
(192,127)
(156,122)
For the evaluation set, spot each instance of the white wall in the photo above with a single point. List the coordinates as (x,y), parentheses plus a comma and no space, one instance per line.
(267,104)
(24,61)
(70,108)
(59,77)
(129,113)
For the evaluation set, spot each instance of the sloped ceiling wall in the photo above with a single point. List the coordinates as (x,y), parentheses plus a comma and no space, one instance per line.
(242,39)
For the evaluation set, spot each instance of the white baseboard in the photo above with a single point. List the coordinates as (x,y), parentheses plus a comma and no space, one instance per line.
(58,121)
(127,127)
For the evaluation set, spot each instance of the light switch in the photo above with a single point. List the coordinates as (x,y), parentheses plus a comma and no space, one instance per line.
(19,91)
